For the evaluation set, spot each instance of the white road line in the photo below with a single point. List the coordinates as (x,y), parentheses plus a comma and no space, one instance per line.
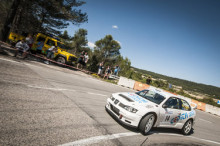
(56,89)
(210,141)
(205,120)
(97,139)
(10,60)
(48,88)
(39,87)
(201,139)
(14,82)
(96,94)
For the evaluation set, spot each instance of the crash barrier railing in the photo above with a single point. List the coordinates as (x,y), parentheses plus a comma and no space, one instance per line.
(138,86)
(114,77)
(5,45)
(200,105)
(212,109)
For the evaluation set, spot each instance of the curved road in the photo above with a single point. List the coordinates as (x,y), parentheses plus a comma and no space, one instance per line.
(48,105)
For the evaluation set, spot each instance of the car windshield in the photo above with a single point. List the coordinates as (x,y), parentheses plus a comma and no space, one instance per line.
(61,45)
(151,95)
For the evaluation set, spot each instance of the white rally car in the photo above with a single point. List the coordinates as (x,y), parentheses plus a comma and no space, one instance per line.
(152,108)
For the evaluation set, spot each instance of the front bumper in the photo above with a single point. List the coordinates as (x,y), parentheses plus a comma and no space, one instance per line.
(122,115)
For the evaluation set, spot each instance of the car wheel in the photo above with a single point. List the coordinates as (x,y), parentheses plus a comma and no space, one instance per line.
(187,127)
(147,123)
(61,60)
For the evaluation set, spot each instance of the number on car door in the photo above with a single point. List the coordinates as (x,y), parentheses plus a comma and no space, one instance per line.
(170,114)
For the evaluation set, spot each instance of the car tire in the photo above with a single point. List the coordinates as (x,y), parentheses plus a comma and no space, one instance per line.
(147,123)
(61,60)
(187,127)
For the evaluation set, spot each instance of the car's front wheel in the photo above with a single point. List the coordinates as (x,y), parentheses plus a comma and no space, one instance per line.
(147,123)
(61,60)
(187,128)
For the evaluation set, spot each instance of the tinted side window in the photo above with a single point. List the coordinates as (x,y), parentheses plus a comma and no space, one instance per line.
(185,105)
(50,42)
(173,103)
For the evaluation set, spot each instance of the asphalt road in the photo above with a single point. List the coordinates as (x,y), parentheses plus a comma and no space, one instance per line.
(48,105)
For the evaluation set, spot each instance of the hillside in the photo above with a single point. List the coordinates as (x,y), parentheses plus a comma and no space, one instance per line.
(212,91)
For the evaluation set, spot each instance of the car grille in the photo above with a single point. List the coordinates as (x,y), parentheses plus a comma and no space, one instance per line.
(116,101)
(121,105)
(114,109)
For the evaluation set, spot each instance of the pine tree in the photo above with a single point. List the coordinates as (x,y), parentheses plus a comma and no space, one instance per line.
(108,48)
(80,40)
(47,16)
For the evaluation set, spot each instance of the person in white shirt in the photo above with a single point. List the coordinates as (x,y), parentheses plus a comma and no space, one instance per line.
(21,47)
(86,59)
(29,40)
(50,53)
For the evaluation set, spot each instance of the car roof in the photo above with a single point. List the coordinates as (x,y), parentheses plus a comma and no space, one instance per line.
(165,93)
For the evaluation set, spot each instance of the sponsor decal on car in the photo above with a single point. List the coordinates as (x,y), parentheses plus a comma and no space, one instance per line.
(175,120)
(137,98)
(182,117)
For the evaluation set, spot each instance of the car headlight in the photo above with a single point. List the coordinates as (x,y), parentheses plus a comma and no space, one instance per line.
(130,109)
(112,98)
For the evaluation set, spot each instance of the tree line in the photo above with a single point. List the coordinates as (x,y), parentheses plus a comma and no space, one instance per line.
(46,16)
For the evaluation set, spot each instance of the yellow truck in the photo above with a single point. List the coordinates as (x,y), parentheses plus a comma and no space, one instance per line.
(61,56)
(14,37)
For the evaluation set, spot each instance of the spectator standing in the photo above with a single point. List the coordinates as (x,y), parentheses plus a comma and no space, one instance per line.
(50,53)
(116,70)
(40,46)
(100,68)
(21,47)
(86,58)
(80,60)
(29,40)
(148,80)
(107,72)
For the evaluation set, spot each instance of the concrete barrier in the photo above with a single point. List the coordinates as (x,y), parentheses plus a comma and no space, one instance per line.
(126,82)
(212,109)
(140,86)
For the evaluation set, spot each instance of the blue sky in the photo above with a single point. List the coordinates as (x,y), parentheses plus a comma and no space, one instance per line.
(177,38)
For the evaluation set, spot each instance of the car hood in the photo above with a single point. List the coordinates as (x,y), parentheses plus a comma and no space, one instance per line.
(66,53)
(132,98)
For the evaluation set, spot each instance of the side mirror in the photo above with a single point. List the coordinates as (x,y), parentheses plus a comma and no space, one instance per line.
(193,105)
(164,106)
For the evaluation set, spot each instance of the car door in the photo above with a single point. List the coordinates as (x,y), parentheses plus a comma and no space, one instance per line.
(170,112)
(49,43)
(186,111)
